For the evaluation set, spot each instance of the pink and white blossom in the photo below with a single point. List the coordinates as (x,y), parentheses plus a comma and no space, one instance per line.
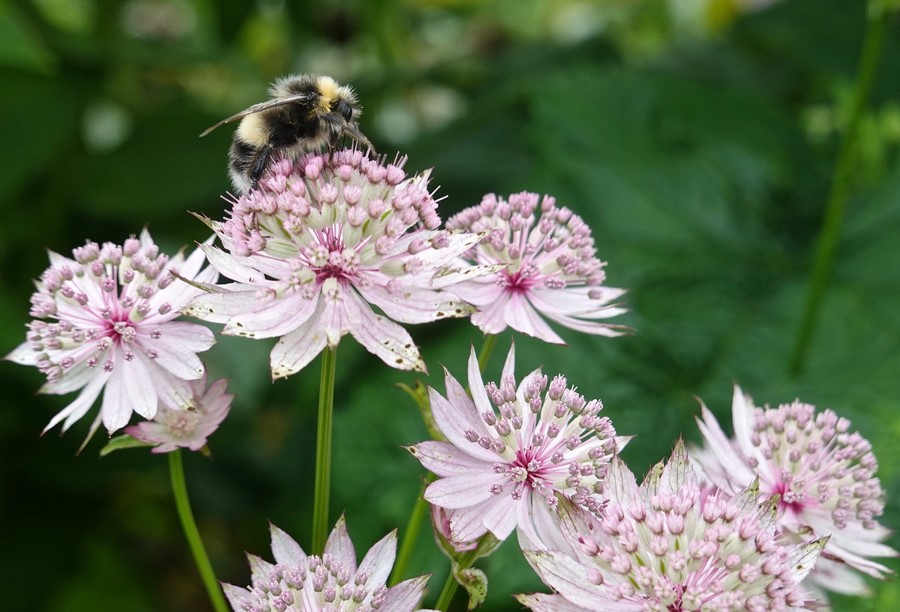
(331,582)
(824,474)
(549,269)
(322,241)
(104,322)
(504,467)
(664,546)
(188,425)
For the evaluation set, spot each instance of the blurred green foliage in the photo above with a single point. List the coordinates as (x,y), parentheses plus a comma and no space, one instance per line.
(696,137)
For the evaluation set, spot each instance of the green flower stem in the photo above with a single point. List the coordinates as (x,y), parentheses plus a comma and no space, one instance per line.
(486,349)
(323,451)
(411,534)
(840,186)
(183,504)
(449,590)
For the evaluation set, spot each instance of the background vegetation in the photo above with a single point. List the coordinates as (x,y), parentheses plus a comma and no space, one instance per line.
(697,137)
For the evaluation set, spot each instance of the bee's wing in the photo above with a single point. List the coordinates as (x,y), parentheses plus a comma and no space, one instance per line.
(257,108)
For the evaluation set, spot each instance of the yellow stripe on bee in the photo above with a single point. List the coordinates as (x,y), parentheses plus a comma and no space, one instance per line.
(328,91)
(252,131)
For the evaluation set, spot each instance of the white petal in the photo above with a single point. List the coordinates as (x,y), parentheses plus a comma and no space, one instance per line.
(177,347)
(129,389)
(284,548)
(272,318)
(380,559)
(405,597)
(521,316)
(81,404)
(414,304)
(444,459)
(386,340)
(24,354)
(454,419)
(340,545)
(236,595)
(501,516)
(737,471)
(457,492)
(539,602)
(295,350)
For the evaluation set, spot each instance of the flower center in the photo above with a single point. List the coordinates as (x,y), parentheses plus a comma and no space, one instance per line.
(527,469)
(329,257)
(790,500)
(517,282)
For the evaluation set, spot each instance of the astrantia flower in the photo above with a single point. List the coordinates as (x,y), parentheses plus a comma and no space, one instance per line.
(332,582)
(550,269)
(662,546)
(188,425)
(503,467)
(824,474)
(318,244)
(105,321)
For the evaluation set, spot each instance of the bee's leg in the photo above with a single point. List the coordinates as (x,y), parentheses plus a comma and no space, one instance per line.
(260,164)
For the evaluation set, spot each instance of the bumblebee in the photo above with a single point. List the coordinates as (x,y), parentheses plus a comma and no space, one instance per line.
(306,112)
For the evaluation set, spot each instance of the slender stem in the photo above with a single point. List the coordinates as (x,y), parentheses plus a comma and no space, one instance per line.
(410,534)
(449,590)
(447,593)
(486,349)
(840,186)
(183,505)
(323,451)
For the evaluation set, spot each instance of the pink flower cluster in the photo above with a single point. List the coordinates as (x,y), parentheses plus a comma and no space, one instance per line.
(322,241)
(549,269)
(105,322)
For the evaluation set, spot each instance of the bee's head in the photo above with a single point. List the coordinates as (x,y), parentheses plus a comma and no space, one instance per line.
(333,99)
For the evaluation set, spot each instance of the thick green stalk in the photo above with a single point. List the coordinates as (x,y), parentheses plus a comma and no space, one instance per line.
(183,505)
(840,187)
(323,451)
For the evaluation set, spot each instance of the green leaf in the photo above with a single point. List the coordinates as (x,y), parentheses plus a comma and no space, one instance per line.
(122,442)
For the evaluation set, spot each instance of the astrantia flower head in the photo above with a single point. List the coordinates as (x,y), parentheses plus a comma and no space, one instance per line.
(503,467)
(104,320)
(550,269)
(188,425)
(823,473)
(318,244)
(662,546)
(332,582)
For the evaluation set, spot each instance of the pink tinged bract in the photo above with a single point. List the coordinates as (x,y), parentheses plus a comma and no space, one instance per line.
(511,449)
(824,474)
(188,425)
(104,323)
(545,268)
(298,582)
(320,243)
(664,546)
